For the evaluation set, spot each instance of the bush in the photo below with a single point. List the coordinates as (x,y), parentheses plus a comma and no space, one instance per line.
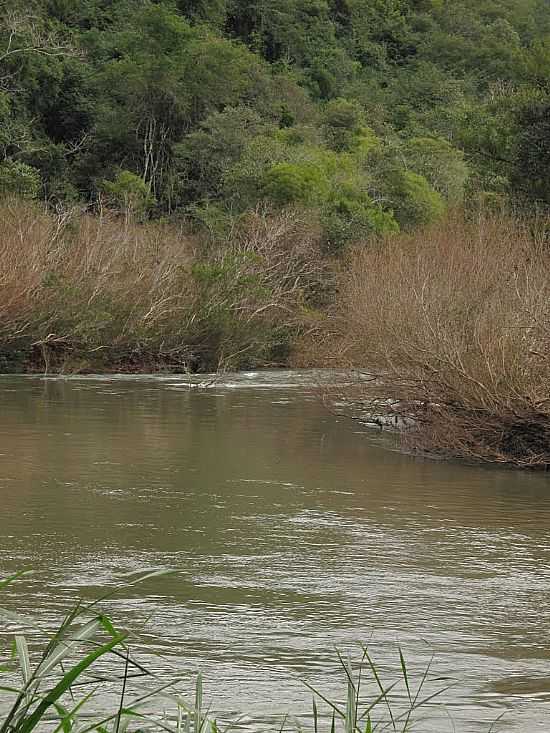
(19,179)
(243,182)
(289,183)
(452,322)
(205,156)
(252,290)
(80,288)
(354,218)
(413,200)
(343,122)
(83,292)
(129,194)
(441,164)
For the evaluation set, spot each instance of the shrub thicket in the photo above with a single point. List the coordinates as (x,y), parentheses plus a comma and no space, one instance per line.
(82,292)
(452,326)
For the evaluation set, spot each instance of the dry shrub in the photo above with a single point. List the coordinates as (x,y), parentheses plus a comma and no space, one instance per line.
(75,283)
(453,325)
(284,249)
(259,285)
(101,292)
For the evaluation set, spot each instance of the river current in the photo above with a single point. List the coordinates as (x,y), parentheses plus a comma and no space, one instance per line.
(292,532)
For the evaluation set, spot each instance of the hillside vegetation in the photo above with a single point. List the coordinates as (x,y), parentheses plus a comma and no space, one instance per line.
(376,114)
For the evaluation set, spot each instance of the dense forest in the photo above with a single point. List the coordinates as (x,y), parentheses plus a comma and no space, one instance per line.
(377,114)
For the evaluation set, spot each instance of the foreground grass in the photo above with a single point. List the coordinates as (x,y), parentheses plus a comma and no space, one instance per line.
(61,692)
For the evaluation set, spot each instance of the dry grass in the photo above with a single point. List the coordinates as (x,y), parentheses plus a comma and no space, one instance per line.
(74,283)
(453,324)
(79,291)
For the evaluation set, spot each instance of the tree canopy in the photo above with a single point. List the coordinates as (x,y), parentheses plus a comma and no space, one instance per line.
(377,113)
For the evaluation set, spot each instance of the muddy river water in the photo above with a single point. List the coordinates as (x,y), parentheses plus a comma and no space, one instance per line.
(292,532)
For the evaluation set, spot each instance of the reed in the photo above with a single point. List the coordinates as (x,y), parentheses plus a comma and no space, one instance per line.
(61,692)
(73,284)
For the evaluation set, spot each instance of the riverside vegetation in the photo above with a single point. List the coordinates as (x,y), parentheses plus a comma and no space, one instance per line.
(214,184)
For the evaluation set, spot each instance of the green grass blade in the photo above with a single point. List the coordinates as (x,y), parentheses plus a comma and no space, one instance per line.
(65,647)
(24,659)
(377,700)
(10,579)
(491,729)
(405,673)
(124,681)
(65,722)
(380,685)
(22,651)
(315,717)
(332,705)
(198,704)
(32,720)
(132,706)
(70,715)
(415,706)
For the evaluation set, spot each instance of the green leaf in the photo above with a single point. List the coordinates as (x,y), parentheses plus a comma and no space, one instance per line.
(67,717)
(32,720)
(6,581)
(24,660)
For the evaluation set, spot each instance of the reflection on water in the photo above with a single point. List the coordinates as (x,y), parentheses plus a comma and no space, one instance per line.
(293,532)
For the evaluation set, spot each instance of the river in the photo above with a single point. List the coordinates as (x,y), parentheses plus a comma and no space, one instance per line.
(292,532)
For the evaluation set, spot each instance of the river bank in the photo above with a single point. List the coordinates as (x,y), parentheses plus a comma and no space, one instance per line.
(452,328)
(451,321)
(87,293)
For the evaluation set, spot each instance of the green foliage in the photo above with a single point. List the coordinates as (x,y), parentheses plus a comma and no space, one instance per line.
(213,219)
(441,164)
(205,156)
(243,182)
(531,167)
(288,183)
(189,95)
(129,193)
(19,179)
(213,12)
(343,123)
(228,286)
(354,219)
(413,200)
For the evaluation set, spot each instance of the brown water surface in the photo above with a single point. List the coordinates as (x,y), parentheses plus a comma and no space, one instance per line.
(293,532)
